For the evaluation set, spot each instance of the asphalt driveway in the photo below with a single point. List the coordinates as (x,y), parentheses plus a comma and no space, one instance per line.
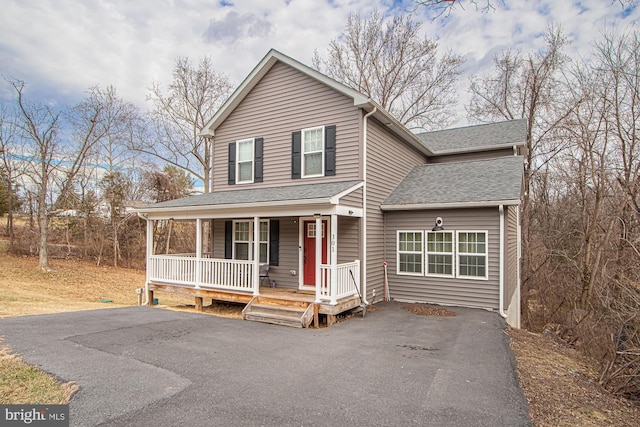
(142,366)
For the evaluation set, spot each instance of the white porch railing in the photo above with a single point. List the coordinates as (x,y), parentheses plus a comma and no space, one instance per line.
(222,274)
(346,283)
(235,275)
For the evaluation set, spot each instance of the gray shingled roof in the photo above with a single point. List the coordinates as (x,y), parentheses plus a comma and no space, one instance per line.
(473,182)
(257,195)
(476,137)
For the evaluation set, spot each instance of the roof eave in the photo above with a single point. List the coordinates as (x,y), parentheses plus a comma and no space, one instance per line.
(449,205)
(384,117)
(277,203)
(478,149)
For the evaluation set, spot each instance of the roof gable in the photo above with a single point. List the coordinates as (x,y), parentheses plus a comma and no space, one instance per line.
(359,100)
(259,71)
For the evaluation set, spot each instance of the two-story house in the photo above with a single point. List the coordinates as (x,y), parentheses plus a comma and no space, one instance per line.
(321,192)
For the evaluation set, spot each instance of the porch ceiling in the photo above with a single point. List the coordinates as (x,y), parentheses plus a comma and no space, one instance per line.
(302,199)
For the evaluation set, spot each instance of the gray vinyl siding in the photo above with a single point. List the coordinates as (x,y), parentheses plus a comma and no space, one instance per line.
(284,101)
(464,157)
(353,199)
(348,239)
(388,163)
(288,255)
(446,291)
(511,253)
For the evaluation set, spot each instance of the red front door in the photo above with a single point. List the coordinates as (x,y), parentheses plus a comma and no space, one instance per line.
(309,245)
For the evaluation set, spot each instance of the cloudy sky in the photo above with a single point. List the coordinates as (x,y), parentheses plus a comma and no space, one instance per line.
(61,47)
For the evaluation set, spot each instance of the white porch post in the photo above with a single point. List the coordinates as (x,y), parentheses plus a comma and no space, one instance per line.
(334,258)
(256,256)
(149,253)
(198,252)
(318,252)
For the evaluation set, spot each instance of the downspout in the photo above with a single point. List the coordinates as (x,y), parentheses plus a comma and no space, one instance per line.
(363,275)
(145,299)
(501,210)
(519,252)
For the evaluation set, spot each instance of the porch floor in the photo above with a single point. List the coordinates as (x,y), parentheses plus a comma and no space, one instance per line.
(283,294)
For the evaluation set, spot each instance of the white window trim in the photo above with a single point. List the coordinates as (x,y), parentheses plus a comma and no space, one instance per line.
(452,253)
(422,258)
(253,158)
(233,243)
(303,153)
(486,255)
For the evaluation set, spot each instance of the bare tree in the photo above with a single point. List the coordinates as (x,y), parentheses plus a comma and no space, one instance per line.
(446,7)
(48,158)
(397,67)
(180,113)
(526,87)
(39,126)
(120,125)
(587,217)
(10,167)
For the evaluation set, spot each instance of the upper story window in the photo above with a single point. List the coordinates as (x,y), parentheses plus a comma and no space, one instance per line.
(244,161)
(313,152)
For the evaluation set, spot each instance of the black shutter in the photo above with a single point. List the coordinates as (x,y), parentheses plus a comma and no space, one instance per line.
(296,153)
(274,241)
(258,162)
(228,239)
(330,150)
(232,163)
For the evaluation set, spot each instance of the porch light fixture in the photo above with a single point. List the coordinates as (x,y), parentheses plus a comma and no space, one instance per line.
(438,225)
(350,212)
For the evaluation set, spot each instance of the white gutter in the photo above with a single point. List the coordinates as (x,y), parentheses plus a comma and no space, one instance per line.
(501,210)
(363,275)
(449,205)
(518,278)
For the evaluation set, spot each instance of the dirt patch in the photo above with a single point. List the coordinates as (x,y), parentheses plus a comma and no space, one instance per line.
(428,310)
(561,385)
(216,308)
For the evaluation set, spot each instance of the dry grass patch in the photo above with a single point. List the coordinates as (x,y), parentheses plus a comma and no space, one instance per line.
(24,384)
(561,386)
(70,286)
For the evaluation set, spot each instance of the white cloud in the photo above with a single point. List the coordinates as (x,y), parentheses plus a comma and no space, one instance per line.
(61,47)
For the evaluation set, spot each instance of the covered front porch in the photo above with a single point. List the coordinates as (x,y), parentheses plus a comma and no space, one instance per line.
(288,253)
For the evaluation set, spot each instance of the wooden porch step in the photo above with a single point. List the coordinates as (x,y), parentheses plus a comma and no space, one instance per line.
(297,314)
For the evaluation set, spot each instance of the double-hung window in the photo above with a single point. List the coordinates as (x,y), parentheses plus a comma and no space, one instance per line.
(313,152)
(410,252)
(472,254)
(244,161)
(243,240)
(439,253)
